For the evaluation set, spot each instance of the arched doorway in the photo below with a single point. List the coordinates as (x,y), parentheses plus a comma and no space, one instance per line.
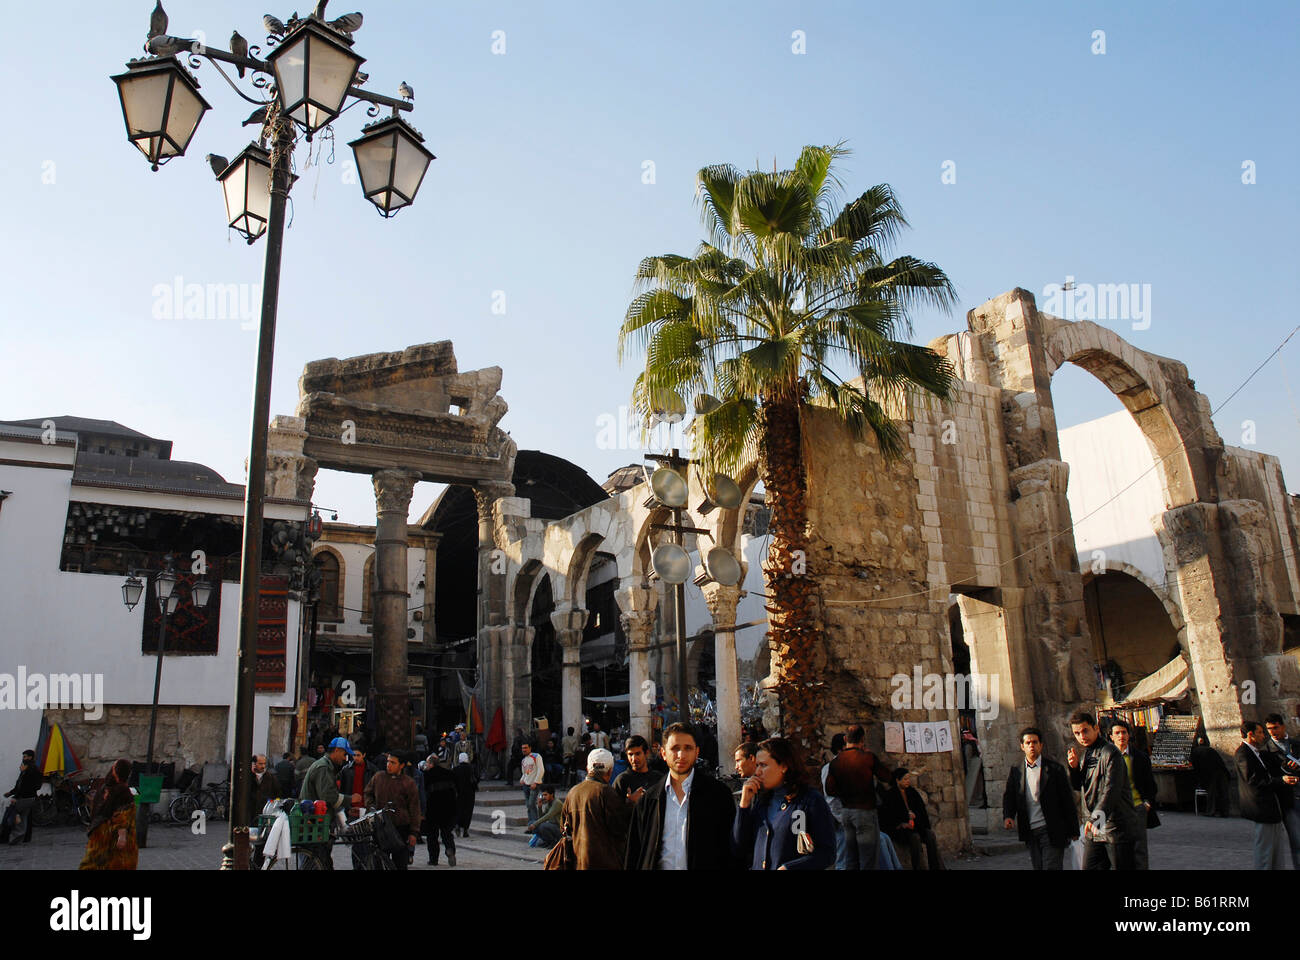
(1132,634)
(547,665)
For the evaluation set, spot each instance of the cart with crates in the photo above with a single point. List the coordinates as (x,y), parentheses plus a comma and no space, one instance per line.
(308,834)
(310,837)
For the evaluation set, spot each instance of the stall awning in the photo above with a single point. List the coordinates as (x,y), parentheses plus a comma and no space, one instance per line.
(1168,683)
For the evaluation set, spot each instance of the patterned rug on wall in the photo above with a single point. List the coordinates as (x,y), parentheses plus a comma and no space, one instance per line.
(272,634)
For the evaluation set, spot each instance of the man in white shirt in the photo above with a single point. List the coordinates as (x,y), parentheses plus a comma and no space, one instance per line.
(1038,800)
(683,821)
(599,738)
(534,772)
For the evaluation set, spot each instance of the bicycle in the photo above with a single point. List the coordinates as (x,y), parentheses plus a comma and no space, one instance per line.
(213,800)
(67,803)
(314,837)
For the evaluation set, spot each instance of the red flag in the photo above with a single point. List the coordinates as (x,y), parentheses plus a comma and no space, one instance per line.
(496,738)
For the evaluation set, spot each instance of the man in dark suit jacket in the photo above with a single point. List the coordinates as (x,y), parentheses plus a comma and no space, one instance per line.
(1143,784)
(697,809)
(1284,747)
(1101,776)
(1265,795)
(1048,830)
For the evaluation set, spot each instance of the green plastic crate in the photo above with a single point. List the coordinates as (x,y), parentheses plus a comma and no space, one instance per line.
(310,829)
(150,788)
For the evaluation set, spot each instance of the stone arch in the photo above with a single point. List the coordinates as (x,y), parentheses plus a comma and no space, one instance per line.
(525,584)
(1161,594)
(341,585)
(1157,391)
(732,522)
(575,579)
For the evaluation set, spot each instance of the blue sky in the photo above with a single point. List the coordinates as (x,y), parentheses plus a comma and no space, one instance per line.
(1122,167)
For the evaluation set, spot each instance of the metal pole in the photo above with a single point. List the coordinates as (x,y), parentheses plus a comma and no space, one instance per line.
(679,620)
(254,496)
(144,810)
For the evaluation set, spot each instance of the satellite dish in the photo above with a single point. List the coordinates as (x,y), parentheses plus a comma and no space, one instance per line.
(669,487)
(668,407)
(671,563)
(726,492)
(722,566)
(706,403)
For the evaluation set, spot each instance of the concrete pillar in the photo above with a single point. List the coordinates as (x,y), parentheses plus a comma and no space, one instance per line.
(723,601)
(638,616)
(569,623)
(393,490)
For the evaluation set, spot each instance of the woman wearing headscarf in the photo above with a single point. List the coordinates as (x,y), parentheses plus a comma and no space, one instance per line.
(111,842)
(782,823)
(466,787)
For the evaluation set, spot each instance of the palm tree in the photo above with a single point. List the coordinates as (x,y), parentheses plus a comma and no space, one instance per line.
(786,291)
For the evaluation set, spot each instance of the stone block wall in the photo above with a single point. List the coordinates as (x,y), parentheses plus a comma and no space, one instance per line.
(185,735)
(882,616)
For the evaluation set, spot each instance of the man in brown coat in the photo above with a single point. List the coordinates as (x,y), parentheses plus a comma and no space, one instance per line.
(596,817)
(395,787)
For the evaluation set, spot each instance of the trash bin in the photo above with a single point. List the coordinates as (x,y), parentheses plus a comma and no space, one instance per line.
(150,788)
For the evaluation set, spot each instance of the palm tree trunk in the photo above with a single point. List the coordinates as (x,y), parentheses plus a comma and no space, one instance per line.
(793,608)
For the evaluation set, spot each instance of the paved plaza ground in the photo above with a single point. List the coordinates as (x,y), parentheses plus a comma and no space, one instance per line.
(1184,841)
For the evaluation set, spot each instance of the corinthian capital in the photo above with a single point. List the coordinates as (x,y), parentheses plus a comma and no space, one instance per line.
(486,494)
(393,489)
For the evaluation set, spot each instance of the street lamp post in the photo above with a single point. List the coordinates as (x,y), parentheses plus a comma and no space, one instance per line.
(308,76)
(168,600)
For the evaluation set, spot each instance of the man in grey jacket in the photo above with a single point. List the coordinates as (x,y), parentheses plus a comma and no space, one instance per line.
(1099,772)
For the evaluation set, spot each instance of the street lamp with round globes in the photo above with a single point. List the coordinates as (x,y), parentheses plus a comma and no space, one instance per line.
(162,107)
(392,161)
(314,69)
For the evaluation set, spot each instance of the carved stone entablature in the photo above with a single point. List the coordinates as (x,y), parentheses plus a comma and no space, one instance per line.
(393,410)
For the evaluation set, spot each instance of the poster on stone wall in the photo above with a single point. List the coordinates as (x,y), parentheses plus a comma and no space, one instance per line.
(912,737)
(942,737)
(893,737)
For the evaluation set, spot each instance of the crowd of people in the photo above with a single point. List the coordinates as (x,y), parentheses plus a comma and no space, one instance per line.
(665,811)
(1116,793)
(656,805)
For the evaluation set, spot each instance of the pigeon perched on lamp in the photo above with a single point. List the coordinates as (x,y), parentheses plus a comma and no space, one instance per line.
(218,163)
(165,46)
(239,47)
(157,21)
(406,91)
(274,26)
(256,117)
(349,23)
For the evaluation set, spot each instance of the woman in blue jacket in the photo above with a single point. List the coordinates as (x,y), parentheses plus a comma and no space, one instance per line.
(782,823)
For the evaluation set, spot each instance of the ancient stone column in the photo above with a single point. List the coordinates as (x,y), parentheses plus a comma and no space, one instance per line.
(638,616)
(517,675)
(569,623)
(492,612)
(393,490)
(723,601)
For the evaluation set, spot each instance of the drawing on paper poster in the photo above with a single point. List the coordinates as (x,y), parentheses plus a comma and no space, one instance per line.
(893,737)
(912,737)
(943,738)
(927,738)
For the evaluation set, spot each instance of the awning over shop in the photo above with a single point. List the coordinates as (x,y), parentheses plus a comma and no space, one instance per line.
(1170,682)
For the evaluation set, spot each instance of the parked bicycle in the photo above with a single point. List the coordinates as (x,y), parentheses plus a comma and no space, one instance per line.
(67,803)
(213,800)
